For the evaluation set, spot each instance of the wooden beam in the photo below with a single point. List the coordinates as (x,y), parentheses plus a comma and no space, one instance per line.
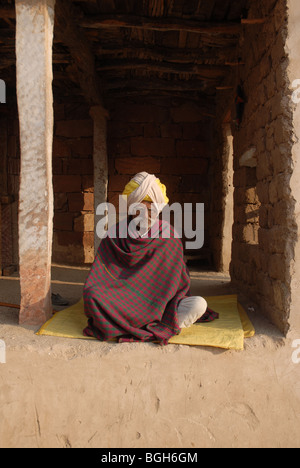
(165,54)
(80,50)
(235,64)
(161,24)
(254,21)
(205,71)
(152,94)
(224,88)
(141,83)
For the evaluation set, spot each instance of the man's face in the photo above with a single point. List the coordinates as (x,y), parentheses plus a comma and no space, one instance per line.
(145,211)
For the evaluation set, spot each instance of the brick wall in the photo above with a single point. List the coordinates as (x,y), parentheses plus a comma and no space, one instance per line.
(263,228)
(73,184)
(170,138)
(72,181)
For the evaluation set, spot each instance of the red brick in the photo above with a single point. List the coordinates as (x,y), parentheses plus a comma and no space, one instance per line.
(113,198)
(184,166)
(124,129)
(75,248)
(77,110)
(140,113)
(69,238)
(188,112)
(74,128)
(119,147)
(151,130)
(153,147)
(81,201)
(66,183)
(191,148)
(194,131)
(84,223)
(61,149)
(88,183)
(57,166)
(172,182)
(60,202)
(59,111)
(132,166)
(82,147)
(170,130)
(191,198)
(78,166)
(88,239)
(111,164)
(117,183)
(63,221)
(194,183)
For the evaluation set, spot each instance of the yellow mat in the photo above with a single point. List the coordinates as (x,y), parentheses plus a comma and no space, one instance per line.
(228,332)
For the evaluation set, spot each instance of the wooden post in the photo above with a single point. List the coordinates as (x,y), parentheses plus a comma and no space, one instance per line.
(100,161)
(34,37)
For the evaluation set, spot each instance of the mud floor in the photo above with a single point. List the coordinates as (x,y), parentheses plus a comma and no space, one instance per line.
(58,392)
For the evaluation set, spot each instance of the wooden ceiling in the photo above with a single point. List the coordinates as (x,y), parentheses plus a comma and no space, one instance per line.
(128,47)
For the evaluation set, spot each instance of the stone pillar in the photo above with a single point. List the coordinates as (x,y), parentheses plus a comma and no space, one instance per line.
(228,199)
(99,116)
(293,47)
(34,37)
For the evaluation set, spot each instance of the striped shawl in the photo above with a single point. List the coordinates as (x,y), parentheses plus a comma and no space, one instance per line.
(134,287)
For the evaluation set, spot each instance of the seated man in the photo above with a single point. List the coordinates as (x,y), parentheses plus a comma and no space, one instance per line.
(138,287)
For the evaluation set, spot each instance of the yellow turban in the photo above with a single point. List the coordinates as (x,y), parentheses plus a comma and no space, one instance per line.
(133,185)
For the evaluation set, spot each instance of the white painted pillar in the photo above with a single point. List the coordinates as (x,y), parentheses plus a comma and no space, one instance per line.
(34,38)
(99,116)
